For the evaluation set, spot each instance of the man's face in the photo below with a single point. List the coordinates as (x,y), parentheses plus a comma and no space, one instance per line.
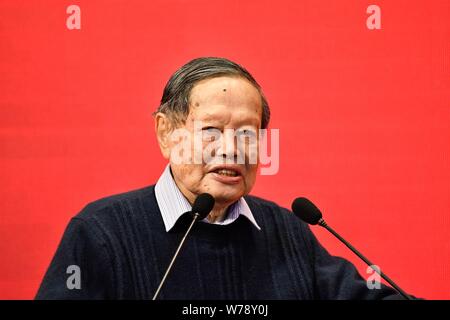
(229,110)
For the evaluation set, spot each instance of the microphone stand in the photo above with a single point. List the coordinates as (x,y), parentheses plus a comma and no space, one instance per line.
(322,223)
(196,215)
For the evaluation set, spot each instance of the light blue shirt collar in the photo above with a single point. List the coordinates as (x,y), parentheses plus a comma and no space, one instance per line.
(173,204)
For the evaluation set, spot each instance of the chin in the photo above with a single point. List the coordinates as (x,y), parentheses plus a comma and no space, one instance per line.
(225,193)
(226,196)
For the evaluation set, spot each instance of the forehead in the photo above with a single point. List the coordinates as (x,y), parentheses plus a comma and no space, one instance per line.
(227,97)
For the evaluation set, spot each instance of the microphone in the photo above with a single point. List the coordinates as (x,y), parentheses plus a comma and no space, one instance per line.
(308,212)
(202,206)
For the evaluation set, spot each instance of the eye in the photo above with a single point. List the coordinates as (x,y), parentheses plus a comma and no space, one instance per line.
(246,133)
(210,133)
(210,130)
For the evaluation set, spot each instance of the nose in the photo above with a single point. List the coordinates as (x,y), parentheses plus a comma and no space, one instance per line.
(229,147)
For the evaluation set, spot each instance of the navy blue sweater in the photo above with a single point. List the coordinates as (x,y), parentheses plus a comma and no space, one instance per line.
(122,249)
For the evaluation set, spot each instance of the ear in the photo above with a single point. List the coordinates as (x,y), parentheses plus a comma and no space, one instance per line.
(163,128)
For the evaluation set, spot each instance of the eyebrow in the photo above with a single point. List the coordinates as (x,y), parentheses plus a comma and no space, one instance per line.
(252,121)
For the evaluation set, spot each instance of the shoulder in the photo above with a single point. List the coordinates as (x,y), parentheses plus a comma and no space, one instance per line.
(270,213)
(258,204)
(105,208)
(282,226)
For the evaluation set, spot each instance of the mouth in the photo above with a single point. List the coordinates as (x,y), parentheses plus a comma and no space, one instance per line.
(227,175)
(227,172)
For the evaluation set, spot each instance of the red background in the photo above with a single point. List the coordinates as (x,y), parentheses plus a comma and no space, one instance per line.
(363,116)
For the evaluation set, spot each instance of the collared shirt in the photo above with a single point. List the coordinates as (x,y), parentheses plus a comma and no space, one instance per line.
(173,204)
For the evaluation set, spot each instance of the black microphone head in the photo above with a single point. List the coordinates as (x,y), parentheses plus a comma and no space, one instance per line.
(203,205)
(306,210)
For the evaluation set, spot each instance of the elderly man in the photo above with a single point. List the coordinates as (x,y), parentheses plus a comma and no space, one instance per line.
(246,248)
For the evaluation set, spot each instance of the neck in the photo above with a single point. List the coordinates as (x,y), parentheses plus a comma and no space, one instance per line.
(217,213)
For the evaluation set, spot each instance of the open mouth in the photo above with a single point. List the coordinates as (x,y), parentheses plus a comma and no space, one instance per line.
(227,172)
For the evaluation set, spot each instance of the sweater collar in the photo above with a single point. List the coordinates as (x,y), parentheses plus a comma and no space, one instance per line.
(173,204)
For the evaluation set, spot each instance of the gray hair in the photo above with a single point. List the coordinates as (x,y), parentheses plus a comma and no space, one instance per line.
(176,96)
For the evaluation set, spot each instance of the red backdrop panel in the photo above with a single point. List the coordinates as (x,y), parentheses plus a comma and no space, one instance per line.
(363,116)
